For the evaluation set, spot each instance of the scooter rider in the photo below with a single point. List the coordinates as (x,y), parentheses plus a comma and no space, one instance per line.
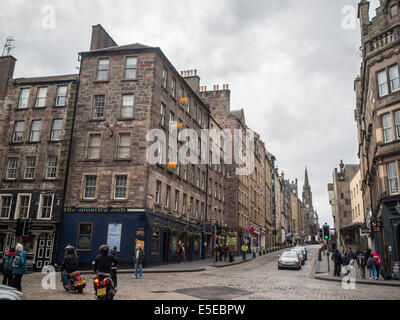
(70,264)
(104,262)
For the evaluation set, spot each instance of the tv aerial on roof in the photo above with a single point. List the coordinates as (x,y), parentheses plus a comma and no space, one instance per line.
(8,46)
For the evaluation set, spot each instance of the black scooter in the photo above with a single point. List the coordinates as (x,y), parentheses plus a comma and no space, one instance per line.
(103,285)
(76,283)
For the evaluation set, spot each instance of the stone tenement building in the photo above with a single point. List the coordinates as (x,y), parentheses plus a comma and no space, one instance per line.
(36,118)
(377,116)
(347,232)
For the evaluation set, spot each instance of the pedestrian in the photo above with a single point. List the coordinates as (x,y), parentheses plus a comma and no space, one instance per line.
(357,253)
(114,266)
(371,262)
(352,255)
(337,261)
(346,260)
(226,253)
(138,258)
(367,253)
(361,264)
(7,267)
(181,253)
(231,256)
(18,267)
(245,248)
(378,263)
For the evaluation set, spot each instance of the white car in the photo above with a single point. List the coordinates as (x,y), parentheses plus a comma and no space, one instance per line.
(301,255)
(289,259)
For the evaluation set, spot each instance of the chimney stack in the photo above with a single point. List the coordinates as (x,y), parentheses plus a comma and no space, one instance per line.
(7,66)
(192,79)
(101,39)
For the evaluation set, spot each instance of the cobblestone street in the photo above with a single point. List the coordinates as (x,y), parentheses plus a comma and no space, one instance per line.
(255,280)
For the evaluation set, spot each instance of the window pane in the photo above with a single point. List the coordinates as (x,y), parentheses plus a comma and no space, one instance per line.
(394,77)
(382,82)
(102,73)
(23,206)
(98,107)
(387,127)
(392,177)
(47,202)
(35,130)
(51,167)
(90,186)
(397,123)
(127,106)
(120,187)
(30,167)
(85,229)
(12,167)
(5,206)
(130,68)
(61,96)
(23,99)
(41,97)
(18,131)
(94,146)
(124,144)
(57,130)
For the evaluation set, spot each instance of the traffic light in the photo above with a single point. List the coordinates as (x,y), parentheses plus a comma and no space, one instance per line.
(27,229)
(326,232)
(320,233)
(19,227)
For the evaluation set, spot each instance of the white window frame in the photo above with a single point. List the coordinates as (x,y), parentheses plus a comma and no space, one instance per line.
(84,187)
(91,147)
(101,71)
(39,216)
(385,129)
(177,195)
(165,78)
(394,79)
(53,131)
(1,205)
(17,208)
(26,167)
(41,98)
(393,177)
(157,199)
(130,67)
(115,187)
(128,108)
(162,113)
(97,107)
(60,96)
(21,98)
(32,132)
(382,84)
(14,131)
(48,167)
(168,196)
(121,147)
(8,168)
(397,124)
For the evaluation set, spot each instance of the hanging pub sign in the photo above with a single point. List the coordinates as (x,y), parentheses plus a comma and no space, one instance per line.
(395,269)
(376,226)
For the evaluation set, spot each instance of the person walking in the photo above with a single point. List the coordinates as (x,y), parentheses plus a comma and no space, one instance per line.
(218,252)
(337,261)
(7,267)
(138,258)
(371,262)
(231,256)
(18,267)
(245,248)
(361,264)
(378,264)
(114,267)
(346,260)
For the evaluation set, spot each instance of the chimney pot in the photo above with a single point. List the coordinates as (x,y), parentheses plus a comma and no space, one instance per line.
(195,72)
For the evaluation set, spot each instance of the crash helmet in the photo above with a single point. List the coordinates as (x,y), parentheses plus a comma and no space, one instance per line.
(104,250)
(69,249)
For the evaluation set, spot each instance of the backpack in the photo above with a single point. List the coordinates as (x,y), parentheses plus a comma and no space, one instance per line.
(7,264)
(361,260)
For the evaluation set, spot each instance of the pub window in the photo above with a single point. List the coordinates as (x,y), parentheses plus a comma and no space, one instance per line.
(90,187)
(130,67)
(45,206)
(51,172)
(128,101)
(102,69)
(98,107)
(23,204)
(18,131)
(23,98)
(155,241)
(85,232)
(41,98)
(12,166)
(30,167)
(61,96)
(120,187)
(5,206)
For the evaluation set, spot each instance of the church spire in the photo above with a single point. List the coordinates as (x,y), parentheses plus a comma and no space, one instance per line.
(306,183)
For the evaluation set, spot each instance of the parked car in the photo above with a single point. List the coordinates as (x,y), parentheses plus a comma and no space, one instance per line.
(301,255)
(304,250)
(289,259)
(9,293)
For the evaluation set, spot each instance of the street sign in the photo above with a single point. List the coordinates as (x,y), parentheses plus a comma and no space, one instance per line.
(376,226)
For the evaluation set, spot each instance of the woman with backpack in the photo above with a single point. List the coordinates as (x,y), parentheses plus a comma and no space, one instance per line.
(19,266)
(7,267)
(361,264)
(371,267)
(378,263)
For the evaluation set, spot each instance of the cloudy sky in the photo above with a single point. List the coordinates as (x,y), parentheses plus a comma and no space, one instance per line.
(290,64)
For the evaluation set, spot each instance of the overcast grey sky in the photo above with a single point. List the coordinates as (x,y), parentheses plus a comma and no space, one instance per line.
(290,64)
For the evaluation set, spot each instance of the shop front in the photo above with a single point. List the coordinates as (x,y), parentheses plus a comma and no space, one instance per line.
(124,228)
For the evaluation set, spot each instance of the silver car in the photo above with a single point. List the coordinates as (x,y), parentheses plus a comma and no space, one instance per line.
(301,255)
(289,259)
(304,250)
(9,293)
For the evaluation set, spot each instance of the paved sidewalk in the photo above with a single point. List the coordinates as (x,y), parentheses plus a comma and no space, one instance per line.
(321,273)
(195,266)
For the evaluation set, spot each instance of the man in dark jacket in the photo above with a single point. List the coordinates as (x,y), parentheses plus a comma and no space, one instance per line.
(138,258)
(337,260)
(70,264)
